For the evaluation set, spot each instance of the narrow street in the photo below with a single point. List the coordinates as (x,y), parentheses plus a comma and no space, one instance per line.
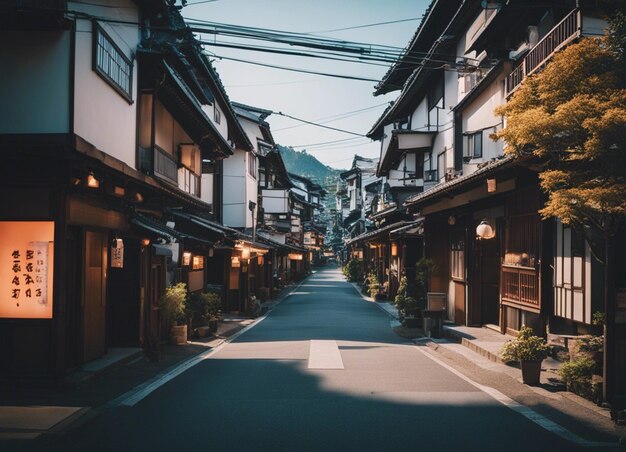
(323,371)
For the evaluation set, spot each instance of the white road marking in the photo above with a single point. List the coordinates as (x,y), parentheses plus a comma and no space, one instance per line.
(528,413)
(324,355)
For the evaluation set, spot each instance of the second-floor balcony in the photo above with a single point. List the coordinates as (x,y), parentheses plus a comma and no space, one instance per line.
(563,33)
(399,142)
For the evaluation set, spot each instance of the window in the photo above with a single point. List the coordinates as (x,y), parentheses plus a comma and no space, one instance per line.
(457,258)
(252,164)
(111,63)
(475,145)
(217,116)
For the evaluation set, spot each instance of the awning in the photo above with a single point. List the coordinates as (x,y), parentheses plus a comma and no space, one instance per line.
(378,232)
(161,230)
(224,232)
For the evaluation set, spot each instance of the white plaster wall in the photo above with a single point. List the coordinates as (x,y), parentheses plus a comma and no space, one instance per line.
(480,115)
(235,205)
(206,188)
(222,127)
(102,116)
(251,193)
(35,82)
(419,118)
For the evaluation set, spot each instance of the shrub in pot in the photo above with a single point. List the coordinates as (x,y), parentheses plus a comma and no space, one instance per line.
(577,376)
(204,309)
(373,285)
(407,306)
(352,270)
(530,351)
(173,308)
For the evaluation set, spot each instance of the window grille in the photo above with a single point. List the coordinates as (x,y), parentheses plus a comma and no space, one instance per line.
(111,63)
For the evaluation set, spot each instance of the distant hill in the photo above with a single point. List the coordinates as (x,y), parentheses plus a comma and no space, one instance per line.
(308,166)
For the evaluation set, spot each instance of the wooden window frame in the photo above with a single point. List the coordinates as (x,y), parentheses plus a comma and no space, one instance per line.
(98,32)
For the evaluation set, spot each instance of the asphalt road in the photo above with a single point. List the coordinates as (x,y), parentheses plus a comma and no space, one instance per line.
(323,372)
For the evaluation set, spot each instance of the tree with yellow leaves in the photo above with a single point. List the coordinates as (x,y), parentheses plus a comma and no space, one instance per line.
(571,117)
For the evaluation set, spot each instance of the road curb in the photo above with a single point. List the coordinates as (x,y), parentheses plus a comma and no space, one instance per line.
(88,414)
(372,301)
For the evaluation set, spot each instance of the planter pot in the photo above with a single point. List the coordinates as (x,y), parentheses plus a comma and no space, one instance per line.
(412,322)
(203,331)
(531,371)
(179,335)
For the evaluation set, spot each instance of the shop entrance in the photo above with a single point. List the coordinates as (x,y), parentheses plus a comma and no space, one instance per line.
(123,307)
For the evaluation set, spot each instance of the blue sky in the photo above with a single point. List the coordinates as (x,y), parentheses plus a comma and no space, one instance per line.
(307,96)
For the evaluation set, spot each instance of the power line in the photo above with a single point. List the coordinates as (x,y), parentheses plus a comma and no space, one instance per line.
(280,113)
(303,71)
(368,25)
(337,117)
(324,142)
(293,82)
(199,2)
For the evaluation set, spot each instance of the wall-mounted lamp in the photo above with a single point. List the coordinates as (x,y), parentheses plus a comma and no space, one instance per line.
(138,197)
(186,258)
(394,249)
(485,231)
(235,262)
(245,252)
(92,182)
(451,220)
(145,242)
(260,261)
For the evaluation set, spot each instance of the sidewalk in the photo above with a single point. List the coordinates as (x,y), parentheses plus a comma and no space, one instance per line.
(28,412)
(481,346)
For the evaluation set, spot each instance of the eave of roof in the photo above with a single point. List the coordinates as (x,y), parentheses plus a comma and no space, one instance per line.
(442,189)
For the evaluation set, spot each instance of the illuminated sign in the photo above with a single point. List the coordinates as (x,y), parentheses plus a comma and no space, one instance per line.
(117,253)
(294,256)
(198,263)
(26,269)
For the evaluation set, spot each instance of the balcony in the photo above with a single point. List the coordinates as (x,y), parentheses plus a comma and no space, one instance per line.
(520,287)
(569,29)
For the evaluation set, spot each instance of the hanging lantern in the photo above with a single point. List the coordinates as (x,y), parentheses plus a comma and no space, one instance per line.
(485,231)
(394,249)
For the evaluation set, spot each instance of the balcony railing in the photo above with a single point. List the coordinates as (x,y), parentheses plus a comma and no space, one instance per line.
(521,286)
(562,34)
(165,166)
(188,181)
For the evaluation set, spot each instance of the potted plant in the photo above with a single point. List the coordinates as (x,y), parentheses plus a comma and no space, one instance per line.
(407,306)
(173,306)
(530,351)
(352,270)
(373,286)
(203,312)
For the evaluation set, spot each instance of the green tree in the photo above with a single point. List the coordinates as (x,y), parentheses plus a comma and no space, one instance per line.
(571,117)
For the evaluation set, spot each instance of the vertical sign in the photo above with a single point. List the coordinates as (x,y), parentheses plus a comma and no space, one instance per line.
(26,269)
(117,253)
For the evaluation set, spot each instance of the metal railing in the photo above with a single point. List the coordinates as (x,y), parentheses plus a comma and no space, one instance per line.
(562,34)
